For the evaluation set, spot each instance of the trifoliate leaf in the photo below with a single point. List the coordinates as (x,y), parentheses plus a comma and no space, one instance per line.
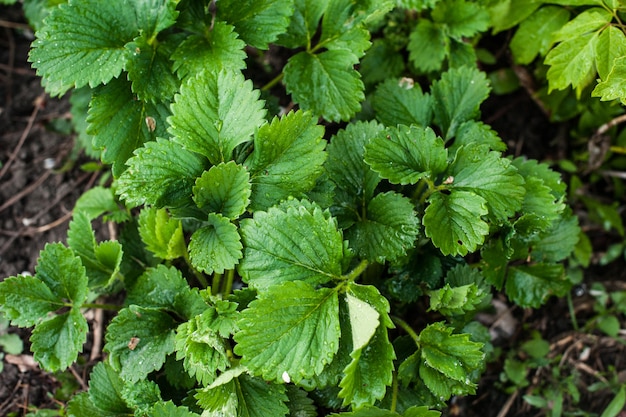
(614,86)
(216,246)
(299,402)
(214,50)
(150,70)
(203,351)
(56,342)
(82,43)
(161,234)
(559,241)
(380,62)
(386,230)
(331,74)
(530,286)
(404,155)
(462,19)
(487,174)
(534,35)
(457,97)
(257,22)
(223,189)
(345,164)
(169,409)
(363,321)
(304,23)
(105,390)
(120,123)
(62,271)
(572,62)
(402,102)
(25,300)
(476,132)
(370,372)
(454,222)
(290,328)
(138,341)
(591,20)
(287,159)
(102,261)
(207,116)
(449,360)
(296,243)
(161,174)
(428,46)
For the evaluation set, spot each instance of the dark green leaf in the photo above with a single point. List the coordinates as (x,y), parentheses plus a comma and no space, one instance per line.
(56,342)
(105,388)
(463,19)
(530,286)
(169,409)
(428,46)
(402,102)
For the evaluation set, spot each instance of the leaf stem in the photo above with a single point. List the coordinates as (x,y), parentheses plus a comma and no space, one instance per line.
(217,282)
(273,82)
(228,284)
(356,272)
(405,326)
(112,307)
(572,311)
(199,276)
(394,392)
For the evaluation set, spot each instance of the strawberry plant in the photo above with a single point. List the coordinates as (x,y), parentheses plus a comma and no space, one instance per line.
(274,263)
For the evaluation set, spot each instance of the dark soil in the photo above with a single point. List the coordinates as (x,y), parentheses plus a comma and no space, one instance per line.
(40,180)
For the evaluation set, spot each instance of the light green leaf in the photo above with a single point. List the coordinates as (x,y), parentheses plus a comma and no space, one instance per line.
(457,97)
(331,74)
(617,403)
(99,201)
(291,329)
(82,43)
(287,159)
(161,174)
(216,246)
(457,300)
(449,360)
(207,117)
(120,123)
(373,297)
(370,373)
(402,102)
(150,70)
(572,62)
(105,388)
(216,49)
(138,341)
(161,234)
(534,35)
(590,20)
(486,173)
(507,13)
(363,320)
(304,23)
(386,230)
(56,342)
(169,409)
(223,189)
(203,351)
(614,86)
(463,19)
(404,155)
(297,243)
(454,222)
(428,46)
(258,22)
(530,286)
(539,208)
(25,300)
(101,261)
(421,411)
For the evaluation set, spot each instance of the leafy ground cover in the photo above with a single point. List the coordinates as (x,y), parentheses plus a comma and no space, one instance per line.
(565,355)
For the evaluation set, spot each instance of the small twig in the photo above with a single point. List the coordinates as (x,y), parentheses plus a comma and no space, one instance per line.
(599,144)
(616,174)
(25,191)
(13,25)
(508,404)
(52,225)
(97,334)
(19,71)
(80,380)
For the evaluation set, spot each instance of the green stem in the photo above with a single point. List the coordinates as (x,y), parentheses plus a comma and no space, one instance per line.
(217,282)
(394,392)
(111,307)
(356,272)
(199,276)
(228,284)
(273,82)
(405,326)
(572,312)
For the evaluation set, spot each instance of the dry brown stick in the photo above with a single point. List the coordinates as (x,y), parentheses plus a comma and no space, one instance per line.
(19,71)
(508,404)
(25,191)
(13,25)
(97,334)
(80,380)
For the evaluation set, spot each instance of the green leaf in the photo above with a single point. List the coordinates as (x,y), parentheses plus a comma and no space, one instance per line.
(421,411)
(82,43)
(558,242)
(449,360)
(486,173)
(102,261)
(169,409)
(99,201)
(138,341)
(25,300)
(454,222)
(591,20)
(299,403)
(142,395)
(363,321)
(331,74)
(61,270)
(552,179)
(370,295)
(214,50)
(368,412)
(120,123)
(257,22)
(428,46)
(617,403)
(451,301)
(203,351)
(370,372)
(287,159)
(507,13)
(342,28)
(404,155)
(386,230)
(105,388)
(207,116)
(402,102)
(161,174)
(614,86)
(216,246)
(223,189)
(530,286)
(572,62)
(150,70)
(304,23)
(297,243)
(479,133)
(380,62)
(56,342)
(161,234)
(290,332)
(457,97)
(463,19)
(534,35)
